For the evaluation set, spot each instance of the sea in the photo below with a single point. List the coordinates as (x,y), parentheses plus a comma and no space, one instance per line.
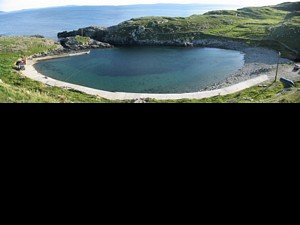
(138,70)
(49,21)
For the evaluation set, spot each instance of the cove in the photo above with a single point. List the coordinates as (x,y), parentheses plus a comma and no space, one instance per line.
(146,69)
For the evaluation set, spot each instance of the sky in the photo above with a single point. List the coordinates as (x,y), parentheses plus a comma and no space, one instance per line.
(12,5)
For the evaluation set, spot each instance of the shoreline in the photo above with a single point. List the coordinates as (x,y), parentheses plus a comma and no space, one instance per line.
(58,56)
(257,61)
(258,68)
(33,74)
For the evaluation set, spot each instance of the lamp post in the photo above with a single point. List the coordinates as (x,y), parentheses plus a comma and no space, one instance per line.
(279,54)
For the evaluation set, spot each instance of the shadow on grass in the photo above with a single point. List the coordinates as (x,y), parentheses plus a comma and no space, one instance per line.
(265,89)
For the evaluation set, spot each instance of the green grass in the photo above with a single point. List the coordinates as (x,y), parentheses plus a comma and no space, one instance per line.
(266,26)
(16,88)
(82,40)
(273,93)
(289,6)
(280,29)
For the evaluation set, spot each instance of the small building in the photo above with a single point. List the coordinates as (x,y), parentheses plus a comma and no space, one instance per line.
(21,64)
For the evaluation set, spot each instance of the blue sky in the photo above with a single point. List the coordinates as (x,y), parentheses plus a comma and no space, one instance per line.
(11,5)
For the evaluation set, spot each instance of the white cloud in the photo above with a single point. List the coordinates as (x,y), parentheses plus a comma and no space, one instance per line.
(10,5)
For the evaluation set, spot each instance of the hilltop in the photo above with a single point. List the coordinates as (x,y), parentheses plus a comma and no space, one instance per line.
(276,27)
(288,6)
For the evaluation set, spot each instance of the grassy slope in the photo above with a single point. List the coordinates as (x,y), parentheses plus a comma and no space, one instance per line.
(256,24)
(82,40)
(250,24)
(272,94)
(288,6)
(15,88)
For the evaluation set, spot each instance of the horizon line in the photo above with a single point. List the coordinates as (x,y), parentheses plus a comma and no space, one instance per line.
(118,6)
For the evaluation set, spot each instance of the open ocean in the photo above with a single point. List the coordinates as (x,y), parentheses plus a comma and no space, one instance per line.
(49,21)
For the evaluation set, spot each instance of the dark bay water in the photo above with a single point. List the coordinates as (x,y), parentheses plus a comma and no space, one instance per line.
(50,21)
(146,70)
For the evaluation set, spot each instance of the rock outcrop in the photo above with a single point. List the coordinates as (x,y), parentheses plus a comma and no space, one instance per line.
(93,32)
(222,29)
(73,44)
(37,36)
(138,36)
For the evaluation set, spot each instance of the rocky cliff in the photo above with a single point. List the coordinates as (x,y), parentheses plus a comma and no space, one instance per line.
(81,43)
(276,27)
(140,35)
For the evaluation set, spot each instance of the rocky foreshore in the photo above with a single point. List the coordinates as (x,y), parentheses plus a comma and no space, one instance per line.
(57,52)
(72,43)
(138,37)
(257,60)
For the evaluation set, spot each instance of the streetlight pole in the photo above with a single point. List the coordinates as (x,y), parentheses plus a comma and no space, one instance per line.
(279,54)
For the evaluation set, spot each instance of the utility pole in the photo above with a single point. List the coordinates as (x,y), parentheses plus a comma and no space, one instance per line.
(279,55)
(82,32)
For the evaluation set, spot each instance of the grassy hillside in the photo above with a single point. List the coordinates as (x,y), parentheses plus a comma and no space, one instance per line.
(277,27)
(273,93)
(15,88)
(274,27)
(288,6)
(82,40)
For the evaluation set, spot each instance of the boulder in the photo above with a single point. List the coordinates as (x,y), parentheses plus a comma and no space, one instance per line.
(66,34)
(188,44)
(287,83)
(140,29)
(37,36)
(136,32)
(152,24)
(98,44)
(72,44)
(93,32)
(140,100)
